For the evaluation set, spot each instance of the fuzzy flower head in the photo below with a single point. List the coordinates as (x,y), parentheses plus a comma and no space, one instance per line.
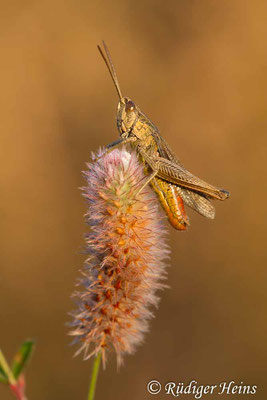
(125,267)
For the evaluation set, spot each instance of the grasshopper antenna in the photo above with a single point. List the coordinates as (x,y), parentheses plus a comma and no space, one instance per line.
(108,61)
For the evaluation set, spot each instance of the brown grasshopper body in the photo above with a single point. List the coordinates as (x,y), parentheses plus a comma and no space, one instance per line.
(172,183)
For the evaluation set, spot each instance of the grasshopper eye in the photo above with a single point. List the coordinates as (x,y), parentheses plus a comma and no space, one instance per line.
(130,106)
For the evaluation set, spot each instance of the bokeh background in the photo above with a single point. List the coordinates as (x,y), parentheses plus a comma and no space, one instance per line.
(198,70)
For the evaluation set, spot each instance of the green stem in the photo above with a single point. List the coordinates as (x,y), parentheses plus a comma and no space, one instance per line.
(92,386)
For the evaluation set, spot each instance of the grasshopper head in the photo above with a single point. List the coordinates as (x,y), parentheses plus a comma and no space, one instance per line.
(126,115)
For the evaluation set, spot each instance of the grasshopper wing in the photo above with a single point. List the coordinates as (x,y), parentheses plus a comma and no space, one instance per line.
(174,172)
(178,175)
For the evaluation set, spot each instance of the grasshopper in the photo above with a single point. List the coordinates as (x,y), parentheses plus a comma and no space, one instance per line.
(167,176)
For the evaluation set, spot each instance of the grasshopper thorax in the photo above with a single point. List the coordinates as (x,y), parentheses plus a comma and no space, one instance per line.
(127,115)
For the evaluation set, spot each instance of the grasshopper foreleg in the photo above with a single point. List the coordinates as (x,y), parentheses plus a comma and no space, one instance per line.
(115,144)
(149,178)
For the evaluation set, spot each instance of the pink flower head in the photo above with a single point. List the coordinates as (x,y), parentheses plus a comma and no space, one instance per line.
(125,267)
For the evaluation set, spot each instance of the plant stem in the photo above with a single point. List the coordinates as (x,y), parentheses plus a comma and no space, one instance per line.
(18,392)
(92,386)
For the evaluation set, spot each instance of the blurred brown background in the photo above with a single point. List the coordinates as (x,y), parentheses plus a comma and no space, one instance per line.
(198,70)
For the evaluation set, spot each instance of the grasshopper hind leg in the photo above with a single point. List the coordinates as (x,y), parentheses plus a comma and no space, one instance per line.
(171,202)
